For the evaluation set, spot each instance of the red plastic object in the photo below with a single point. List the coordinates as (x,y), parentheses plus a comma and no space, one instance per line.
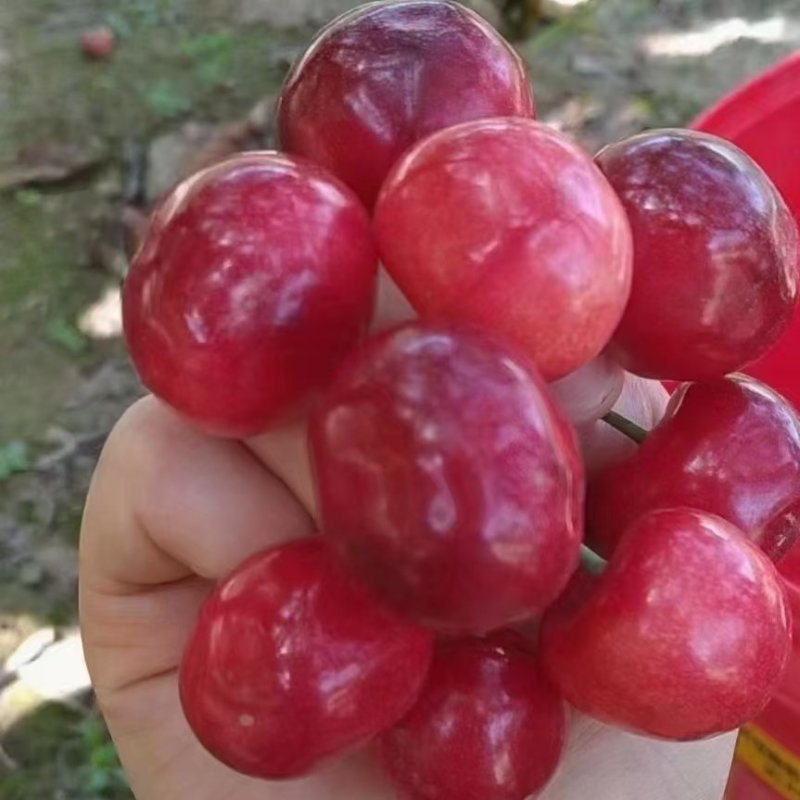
(763,118)
(767,763)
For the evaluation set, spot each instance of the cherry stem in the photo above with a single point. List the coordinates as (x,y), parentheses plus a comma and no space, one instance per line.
(625,426)
(591,562)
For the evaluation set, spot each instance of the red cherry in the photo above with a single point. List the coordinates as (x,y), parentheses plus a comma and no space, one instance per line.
(506,224)
(98,43)
(448,478)
(730,447)
(256,276)
(488,726)
(383,76)
(716,255)
(685,635)
(292,661)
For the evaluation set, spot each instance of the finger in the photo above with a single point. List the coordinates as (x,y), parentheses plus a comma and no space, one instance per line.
(129,640)
(165,760)
(590,392)
(167,502)
(643,402)
(169,512)
(392,307)
(605,762)
(284,452)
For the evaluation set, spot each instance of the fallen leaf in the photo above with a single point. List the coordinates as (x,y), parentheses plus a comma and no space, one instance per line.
(49,162)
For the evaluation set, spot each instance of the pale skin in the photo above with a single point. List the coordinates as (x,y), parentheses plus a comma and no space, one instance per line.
(171,511)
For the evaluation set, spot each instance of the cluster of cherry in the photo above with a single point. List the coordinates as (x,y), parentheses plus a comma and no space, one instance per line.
(452,493)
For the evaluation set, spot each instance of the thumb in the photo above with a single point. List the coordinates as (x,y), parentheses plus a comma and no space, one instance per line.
(642,401)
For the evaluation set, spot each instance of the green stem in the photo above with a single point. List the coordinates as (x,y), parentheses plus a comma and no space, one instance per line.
(625,426)
(591,562)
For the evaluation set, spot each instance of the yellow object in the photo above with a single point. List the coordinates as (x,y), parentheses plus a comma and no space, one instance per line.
(769,761)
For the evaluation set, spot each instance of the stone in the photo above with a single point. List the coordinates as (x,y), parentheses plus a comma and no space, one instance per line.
(31,574)
(169,153)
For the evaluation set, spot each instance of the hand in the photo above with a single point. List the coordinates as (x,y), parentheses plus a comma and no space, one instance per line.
(171,511)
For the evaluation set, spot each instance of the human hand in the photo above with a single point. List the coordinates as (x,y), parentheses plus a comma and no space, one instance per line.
(171,511)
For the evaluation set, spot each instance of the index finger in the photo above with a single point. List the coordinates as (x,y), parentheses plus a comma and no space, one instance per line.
(169,512)
(167,502)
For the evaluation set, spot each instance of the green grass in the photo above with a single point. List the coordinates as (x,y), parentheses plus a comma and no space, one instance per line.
(59,747)
(172,62)
(44,284)
(13,458)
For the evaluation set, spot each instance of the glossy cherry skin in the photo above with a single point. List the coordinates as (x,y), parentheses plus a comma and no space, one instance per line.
(716,255)
(729,446)
(381,77)
(292,661)
(685,635)
(508,225)
(488,726)
(448,479)
(255,277)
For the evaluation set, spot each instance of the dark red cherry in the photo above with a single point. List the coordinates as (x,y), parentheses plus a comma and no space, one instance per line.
(380,78)
(292,662)
(255,277)
(448,479)
(488,726)
(715,278)
(730,447)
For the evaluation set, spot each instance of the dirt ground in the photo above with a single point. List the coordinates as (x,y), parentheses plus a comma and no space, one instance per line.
(85,146)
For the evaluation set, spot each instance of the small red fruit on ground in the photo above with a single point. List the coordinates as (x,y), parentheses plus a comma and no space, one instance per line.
(98,43)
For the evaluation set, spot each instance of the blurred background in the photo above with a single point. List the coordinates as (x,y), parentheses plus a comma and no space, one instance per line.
(104,104)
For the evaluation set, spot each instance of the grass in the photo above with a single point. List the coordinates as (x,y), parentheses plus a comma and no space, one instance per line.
(172,62)
(44,284)
(13,458)
(63,748)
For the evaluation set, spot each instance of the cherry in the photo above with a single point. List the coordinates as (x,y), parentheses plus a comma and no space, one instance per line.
(506,224)
(685,635)
(448,479)
(716,255)
(98,43)
(387,74)
(292,661)
(488,726)
(255,277)
(729,446)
